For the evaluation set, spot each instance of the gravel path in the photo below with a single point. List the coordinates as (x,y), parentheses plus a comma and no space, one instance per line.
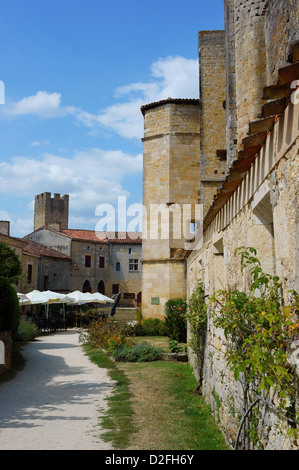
(55,402)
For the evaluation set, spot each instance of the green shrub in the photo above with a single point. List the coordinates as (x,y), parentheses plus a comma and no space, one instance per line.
(107,333)
(175,319)
(27,330)
(143,352)
(174,346)
(150,327)
(10,264)
(9,307)
(139,313)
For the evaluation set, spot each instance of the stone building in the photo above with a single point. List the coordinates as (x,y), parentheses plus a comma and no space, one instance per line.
(52,212)
(248,155)
(39,264)
(103,262)
(170,174)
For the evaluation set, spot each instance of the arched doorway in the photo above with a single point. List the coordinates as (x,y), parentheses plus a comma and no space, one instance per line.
(101,287)
(86,286)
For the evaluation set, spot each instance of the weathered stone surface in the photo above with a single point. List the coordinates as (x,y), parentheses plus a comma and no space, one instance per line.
(171,176)
(273,108)
(5,338)
(255,201)
(261,125)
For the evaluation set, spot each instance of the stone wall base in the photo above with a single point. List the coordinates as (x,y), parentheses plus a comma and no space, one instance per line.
(5,351)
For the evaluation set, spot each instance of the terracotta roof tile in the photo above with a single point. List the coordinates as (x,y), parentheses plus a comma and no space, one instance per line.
(192,101)
(103,237)
(40,250)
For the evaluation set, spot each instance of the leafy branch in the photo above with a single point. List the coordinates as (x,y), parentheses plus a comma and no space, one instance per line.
(260,330)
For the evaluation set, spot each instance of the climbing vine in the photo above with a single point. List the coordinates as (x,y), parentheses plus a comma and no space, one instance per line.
(260,330)
(196,316)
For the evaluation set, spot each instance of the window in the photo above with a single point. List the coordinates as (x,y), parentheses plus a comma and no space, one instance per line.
(115,288)
(133,265)
(46,282)
(130,251)
(102,262)
(29,273)
(117,266)
(87,261)
(86,286)
(101,287)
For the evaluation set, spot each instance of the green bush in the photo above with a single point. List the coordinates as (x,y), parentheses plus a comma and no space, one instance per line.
(143,352)
(175,319)
(9,307)
(27,330)
(174,346)
(150,327)
(10,264)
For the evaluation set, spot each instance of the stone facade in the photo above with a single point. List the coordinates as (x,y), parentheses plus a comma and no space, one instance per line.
(213,155)
(51,212)
(250,198)
(257,205)
(170,180)
(89,260)
(5,351)
(27,259)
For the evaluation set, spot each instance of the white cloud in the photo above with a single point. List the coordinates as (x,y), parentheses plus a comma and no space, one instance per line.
(174,77)
(42,104)
(90,177)
(5,216)
(20,226)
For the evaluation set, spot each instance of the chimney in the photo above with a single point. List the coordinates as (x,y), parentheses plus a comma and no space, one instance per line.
(5,227)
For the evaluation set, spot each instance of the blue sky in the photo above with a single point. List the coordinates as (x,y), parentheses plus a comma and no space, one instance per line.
(75,75)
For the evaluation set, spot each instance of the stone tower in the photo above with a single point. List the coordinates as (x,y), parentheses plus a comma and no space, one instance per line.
(246,64)
(171,173)
(51,212)
(213,154)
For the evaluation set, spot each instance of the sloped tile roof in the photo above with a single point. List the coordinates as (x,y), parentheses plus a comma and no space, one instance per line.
(191,101)
(40,250)
(103,237)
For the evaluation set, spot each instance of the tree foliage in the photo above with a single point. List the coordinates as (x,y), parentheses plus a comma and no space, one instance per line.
(10,264)
(9,307)
(260,329)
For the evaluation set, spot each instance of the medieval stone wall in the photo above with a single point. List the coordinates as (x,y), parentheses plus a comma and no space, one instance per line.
(51,212)
(250,61)
(171,176)
(263,210)
(213,157)
(250,197)
(276,241)
(281,18)
(6,350)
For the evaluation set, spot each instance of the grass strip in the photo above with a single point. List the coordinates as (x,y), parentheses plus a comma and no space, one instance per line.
(117,421)
(197,428)
(169,415)
(154,407)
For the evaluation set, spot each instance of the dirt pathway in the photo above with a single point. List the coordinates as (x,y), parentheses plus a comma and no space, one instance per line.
(55,402)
